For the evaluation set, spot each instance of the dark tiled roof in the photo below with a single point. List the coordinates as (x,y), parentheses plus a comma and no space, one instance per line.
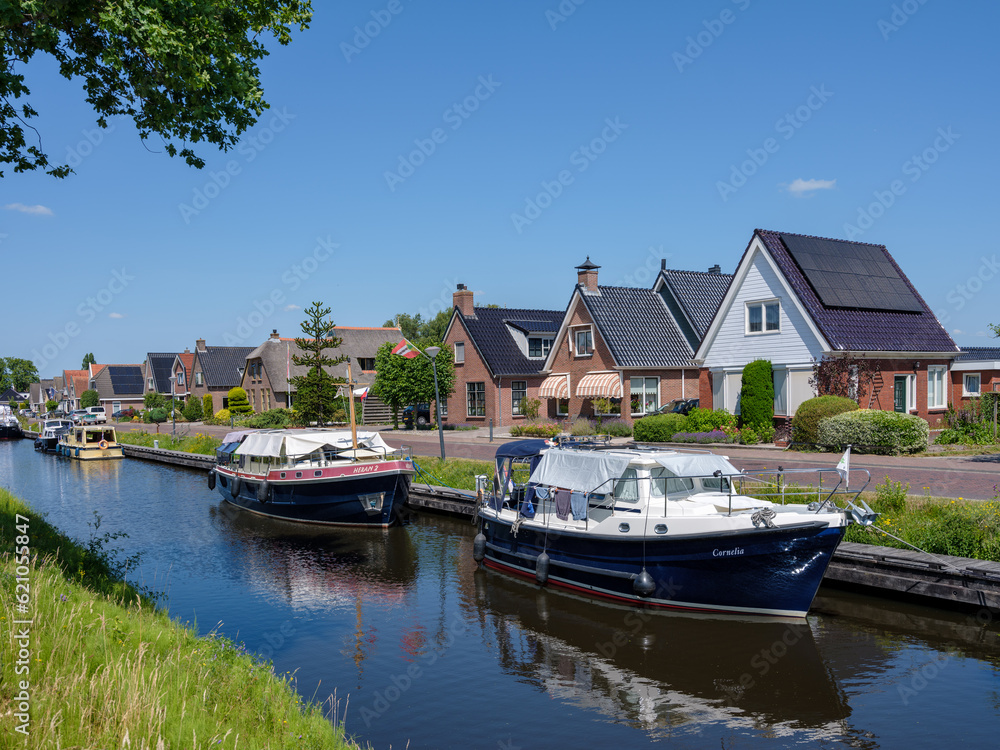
(862,330)
(535,326)
(974,353)
(699,294)
(493,340)
(637,328)
(160,365)
(221,364)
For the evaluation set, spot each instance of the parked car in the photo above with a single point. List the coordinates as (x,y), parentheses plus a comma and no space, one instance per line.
(678,406)
(101,416)
(77,415)
(422,411)
(124,414)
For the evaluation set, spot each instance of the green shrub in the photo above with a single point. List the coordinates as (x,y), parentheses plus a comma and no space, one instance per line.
(207,406)
(530,407)
(222,416)
(157,415)
(805,423)
(748,435)
(153,400)
(582,426)
(757,395)
(238,401)
(535,430)
(192,409)
(658,428)
(89,398)
(270,419)
(616,428)
(51,405)
(709,420)
(874,431)
(890,497)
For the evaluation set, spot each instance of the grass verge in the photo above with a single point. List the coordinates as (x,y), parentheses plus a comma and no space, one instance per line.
(199,443)
(102,667)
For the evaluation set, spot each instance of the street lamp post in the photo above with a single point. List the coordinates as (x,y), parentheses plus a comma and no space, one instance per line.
(431,354)
(173,416)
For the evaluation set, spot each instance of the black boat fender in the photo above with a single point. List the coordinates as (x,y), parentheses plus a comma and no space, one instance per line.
(479,547)
(542,568)
(234,486)
(264,491)
(211,479)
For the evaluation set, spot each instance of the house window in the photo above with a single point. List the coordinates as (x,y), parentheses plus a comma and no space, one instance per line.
(180,377)
(366,363)
(562,407)
(518,392)
(475,394)
(444,410)
(645,395)
(911,392)
(116,406)
(459,352)
(970,384)
(538,347)
(763,317)
(935,387)
(198,379)
(584,342)
(149,384)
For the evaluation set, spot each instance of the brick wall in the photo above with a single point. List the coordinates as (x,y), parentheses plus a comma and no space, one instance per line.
(472,370)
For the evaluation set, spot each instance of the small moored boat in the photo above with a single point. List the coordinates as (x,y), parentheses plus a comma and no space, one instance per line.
(661,528)
(10,428)
(313,476)
(52,430)
(90,443)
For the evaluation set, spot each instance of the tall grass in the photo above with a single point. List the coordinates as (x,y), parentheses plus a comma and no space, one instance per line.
(107,669)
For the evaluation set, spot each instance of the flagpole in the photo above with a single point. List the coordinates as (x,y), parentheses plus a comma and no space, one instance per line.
(350,400)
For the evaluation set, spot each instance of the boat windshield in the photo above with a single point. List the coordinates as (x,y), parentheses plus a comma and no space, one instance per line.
(718,484)
(627,486)
(663,481)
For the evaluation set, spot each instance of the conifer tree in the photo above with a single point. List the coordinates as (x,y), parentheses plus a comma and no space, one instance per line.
(316,390)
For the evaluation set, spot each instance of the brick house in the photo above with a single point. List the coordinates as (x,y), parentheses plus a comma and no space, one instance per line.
(633,346)
(215,370)
(268,367)
(795,299)
(118,386)
(74,384)
(976,370)
(499,354)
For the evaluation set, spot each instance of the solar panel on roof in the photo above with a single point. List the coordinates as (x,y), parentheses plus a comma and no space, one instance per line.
(126,379)
(850,274)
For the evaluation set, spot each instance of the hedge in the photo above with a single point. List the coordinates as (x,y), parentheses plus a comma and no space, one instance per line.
(757,395)
(707,420)
(805,423)
(658,428)
(874,431)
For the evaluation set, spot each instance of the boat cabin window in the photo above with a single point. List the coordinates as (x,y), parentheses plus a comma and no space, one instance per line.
(93,437)
(663,481)
(715,484)
(627,487)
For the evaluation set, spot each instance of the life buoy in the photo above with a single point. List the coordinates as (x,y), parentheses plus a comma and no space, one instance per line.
(104,445)
(264,491)
(211,480)
(234,487)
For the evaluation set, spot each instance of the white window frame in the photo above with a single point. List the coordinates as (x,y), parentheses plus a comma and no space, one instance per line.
(645,390)
(116,406)
(149,384)
(459,352)
(589,330)
(937,378)
(911,392)
(763,304)
(546,347)
(180,377)
(562,407)
(515,401)
(965,384)
(199,379)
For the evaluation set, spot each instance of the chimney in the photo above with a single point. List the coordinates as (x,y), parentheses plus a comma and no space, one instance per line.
(715,269)
(186,350)
(663,264)
(274,334)
(586,275)
(199,344)
(462,299)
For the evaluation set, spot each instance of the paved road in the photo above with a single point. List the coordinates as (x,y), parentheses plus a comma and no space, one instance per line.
(970,477)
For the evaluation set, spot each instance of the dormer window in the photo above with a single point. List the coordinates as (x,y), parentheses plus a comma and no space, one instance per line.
(583,340)
(538,347)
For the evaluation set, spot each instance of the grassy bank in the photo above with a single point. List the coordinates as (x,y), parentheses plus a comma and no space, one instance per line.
(108,669)
(203,444)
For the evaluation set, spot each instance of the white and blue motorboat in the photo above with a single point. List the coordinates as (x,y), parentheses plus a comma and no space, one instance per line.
(52,430)
(682,530)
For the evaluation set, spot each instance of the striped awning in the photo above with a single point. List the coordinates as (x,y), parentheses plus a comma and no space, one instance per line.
(600,385)
(555,386)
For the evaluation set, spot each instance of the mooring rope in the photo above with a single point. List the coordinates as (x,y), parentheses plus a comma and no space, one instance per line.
(944,563)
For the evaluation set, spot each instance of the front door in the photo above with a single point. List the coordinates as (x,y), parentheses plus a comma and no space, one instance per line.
(899,394)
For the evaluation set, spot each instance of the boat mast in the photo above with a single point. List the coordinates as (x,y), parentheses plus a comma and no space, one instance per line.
(350,401)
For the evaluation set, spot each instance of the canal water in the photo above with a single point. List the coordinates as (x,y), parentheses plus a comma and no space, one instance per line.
(422,650)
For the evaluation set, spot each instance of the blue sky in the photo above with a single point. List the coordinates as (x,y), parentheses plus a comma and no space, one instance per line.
(498,144)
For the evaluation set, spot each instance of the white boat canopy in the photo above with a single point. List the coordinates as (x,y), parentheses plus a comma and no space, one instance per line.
(579,470)
(696,465)
(303,442)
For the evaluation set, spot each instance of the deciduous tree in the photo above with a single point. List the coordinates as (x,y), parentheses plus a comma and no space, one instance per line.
(846,376)
(89,398)
(17,373)
(183,72)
